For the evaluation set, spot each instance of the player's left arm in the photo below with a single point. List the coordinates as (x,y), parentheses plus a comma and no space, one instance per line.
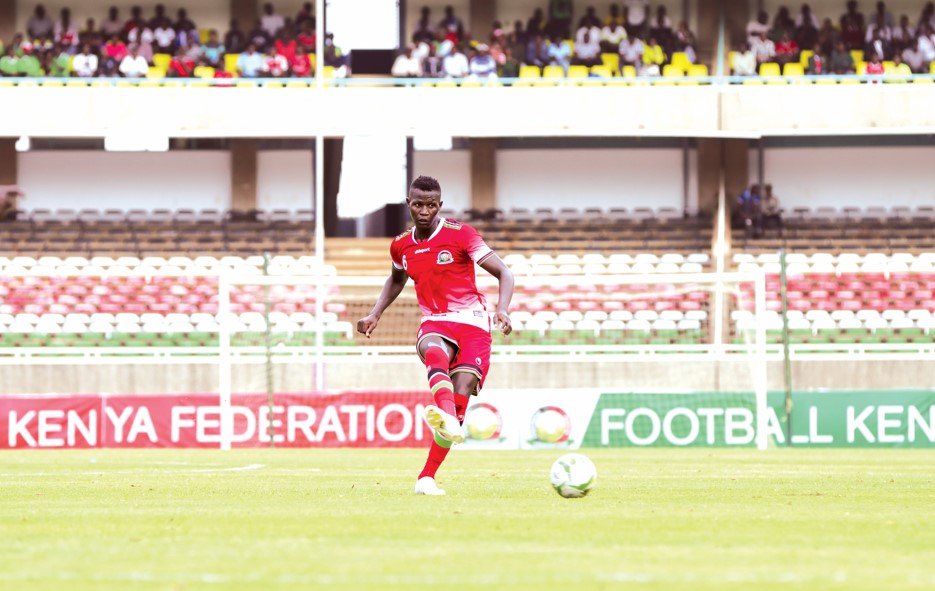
(496,267)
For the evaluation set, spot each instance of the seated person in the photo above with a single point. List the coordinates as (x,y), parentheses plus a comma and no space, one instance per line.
(841,61)
(213,50)
(817,64)
(771,212)
(406,65)
(250,63)
(588,53)
(787,50)
(134,65)
(482,63)
(743,62)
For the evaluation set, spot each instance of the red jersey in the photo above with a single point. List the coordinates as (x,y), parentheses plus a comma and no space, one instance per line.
(442,268)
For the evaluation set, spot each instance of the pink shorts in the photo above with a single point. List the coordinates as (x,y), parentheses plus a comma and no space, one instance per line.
(471,345)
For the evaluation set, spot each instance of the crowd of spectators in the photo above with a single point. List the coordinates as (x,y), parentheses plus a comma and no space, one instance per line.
(642,38)
(908,44)
(756,210)
(134,47)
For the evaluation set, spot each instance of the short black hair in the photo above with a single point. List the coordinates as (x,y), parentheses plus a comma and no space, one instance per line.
(427,184)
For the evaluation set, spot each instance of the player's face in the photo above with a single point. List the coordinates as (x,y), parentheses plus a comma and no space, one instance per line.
(423,207)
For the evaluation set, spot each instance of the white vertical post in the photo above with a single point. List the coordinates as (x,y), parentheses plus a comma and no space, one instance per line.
(320,259)
(319,43)
(224,363)
(719,251)
(760,365)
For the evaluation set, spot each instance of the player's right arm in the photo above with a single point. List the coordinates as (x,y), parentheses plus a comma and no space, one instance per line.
(391,289)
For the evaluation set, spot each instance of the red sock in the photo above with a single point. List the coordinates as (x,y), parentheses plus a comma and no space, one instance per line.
(436,362)
(438,452)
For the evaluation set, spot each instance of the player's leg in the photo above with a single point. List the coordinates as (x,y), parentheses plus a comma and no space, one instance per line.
(437,353)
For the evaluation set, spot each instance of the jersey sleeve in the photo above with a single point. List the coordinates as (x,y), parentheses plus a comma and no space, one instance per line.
(396,256)
(474,245)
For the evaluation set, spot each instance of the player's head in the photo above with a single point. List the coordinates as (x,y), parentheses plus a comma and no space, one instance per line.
(424,201)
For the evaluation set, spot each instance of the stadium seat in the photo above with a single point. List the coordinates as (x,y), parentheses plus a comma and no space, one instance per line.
(628,71)
(553,72)
(577,71)
(156,73)
(602,71)
(698,71)
(672,71)
(611,61)
(162,61)
(680,60)
(204,72)
(230,63)
(529,71)
(804,56)
(792,69)
(857,55)
(769,69)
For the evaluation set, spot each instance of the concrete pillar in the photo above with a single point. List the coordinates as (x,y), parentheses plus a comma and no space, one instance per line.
(715,156)
(483,173)
(483,14)
(737,14)
(8,174)
(7,19)
(334,154)
(243,174)
(245,11)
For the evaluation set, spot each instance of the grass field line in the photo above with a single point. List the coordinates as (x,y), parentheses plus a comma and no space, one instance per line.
(159,472)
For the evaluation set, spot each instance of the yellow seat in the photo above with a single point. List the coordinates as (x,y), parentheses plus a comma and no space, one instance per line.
(611,61)
(769,69)
(204,72)
(312,60)
(804,55)
(672,71)
(899,74)
(553,72)
(230,63)
(793,70)
(698,71)
(155,73)
(680,59)
(602,71)
(628,71)
(888,66)
(860,68)
(53,84)
(577,71)
(162,60)
(932,67)
(296,84)
(857,55)
(328,72)
(530,72)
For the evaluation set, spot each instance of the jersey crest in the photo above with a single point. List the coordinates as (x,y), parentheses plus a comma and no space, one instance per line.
(445,258)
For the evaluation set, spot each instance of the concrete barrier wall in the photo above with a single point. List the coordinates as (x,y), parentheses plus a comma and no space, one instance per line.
(672,374)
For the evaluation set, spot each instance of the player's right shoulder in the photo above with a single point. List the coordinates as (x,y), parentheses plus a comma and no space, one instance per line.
(403,235)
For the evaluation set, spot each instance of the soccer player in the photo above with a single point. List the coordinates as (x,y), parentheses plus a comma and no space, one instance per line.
(454,338)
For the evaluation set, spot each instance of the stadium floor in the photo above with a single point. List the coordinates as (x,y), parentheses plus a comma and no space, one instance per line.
(347,519)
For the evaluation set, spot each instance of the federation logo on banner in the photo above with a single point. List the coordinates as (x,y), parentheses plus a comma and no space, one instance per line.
(483,422)
(550,425)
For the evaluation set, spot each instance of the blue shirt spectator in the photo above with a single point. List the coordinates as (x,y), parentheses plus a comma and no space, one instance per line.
(250,63)
(559,53)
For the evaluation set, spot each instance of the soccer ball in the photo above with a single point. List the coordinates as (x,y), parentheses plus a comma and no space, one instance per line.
(573,475)
(483,422)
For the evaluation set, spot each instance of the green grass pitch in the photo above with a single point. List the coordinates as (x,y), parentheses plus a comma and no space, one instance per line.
(347,519)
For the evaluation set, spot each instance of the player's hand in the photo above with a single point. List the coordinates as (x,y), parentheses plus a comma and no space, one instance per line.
(366,324)
(502,321)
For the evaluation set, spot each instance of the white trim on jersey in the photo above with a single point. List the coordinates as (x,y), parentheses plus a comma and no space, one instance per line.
(438,228)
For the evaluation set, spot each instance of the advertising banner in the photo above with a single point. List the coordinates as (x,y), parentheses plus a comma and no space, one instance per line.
(504,419)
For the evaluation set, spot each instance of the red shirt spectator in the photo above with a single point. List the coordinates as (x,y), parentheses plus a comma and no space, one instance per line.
(306,38)
(302,65)
(875,67)
(787,48)
(181,66)
(115,49)
(287,49)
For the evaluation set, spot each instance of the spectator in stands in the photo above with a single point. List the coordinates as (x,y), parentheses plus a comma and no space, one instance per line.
(764,48)
(258,37)
(482,63)
(755,27)
(66,32)
(424,31)
(29,64)
(637,13)
(559,52)
(186,30)
(903,36)
(406,64)
(875,65)
(614,20)
(537,52)
(828,37)
(510,66)
(913,57)
(772,213)
(685,41)
(927,18)
(286,46)
(163,36)
(661,29)
(560,18)
(654,57)
(452,26)
(250,62)
(271,22)
(878,46)
(879,28)
(590,19)
(133,65)
(142,37)
(306,36)
(743,61)
(114,52)
(806,33)
(536,23)
(806,17)
(160,19)
(749,211)
(9,201)
(612,35)
(517,41)
(213,50)
(841,61)
(588,53)
(39,25)
(631,52)
(787,50)
(456,64)
(782,24)
(275,65)
(59,62)
(816,62)
(883,13)
(301,64)
(852,26)
(582,32)
(181,66)
(90,35)
(135,21)
(334,58)
(112,25)
(8,63)
(305,16)
(85,64)
(926,43)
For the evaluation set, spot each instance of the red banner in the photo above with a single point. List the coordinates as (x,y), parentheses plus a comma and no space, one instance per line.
(346,419)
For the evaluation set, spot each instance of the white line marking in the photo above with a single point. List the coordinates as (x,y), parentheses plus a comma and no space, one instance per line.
(105,472)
